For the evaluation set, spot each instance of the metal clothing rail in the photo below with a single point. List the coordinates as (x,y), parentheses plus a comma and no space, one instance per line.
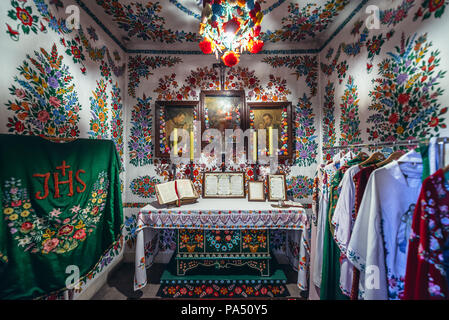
(441,141)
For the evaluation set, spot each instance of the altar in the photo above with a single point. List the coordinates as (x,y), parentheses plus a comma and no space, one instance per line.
(223,232)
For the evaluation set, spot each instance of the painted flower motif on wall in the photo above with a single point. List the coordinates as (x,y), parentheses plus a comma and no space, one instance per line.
(57,25)
(394,16)
(303,65)
(45,101)
(405,96)
(349,120)
(144,22)
(305,22)
(144,186)
(140,143)
(24,18)
(306,145)
(99,125)
(429,8)
(139,67)
(329,134)
(299,187)
(74,49)
(117,126)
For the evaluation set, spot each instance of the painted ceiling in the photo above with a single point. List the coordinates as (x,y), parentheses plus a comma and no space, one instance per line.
(173,24)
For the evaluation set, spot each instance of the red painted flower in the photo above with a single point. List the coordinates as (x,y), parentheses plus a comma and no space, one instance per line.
(230,58)
(43,116)
(255,46)
(24,16)
(19,126)
(434,122)
(394,118)
(403,98)
(206,46)
(435,5)
(76,52)
(257,30)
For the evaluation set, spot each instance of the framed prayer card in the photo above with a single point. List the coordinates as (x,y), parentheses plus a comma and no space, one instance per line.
(277,187)
(173,116)
(272,116)
(224,185)
(256,191)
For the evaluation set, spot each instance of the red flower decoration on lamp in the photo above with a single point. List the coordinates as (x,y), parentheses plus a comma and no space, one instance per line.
(229,27)
(255,46)
(230,58)
(206,46)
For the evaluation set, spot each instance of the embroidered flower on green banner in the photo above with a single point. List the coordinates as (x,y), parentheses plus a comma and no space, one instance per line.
(99,125)
(404,100)
(52,234)
(46,102)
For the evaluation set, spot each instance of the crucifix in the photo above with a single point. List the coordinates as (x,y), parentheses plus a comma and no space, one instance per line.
(222,68)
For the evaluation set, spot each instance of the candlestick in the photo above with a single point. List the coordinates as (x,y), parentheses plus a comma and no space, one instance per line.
(255,146)
(192,148)
(175,141)
(270,140)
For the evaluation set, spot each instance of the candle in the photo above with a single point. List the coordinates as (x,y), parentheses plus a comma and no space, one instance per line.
(255,146)
(270,140)
(192,150)
(175,141)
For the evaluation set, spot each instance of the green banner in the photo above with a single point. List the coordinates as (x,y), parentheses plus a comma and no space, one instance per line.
(61,211)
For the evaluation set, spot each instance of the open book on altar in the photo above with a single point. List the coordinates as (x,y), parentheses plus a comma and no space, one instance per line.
(176,192)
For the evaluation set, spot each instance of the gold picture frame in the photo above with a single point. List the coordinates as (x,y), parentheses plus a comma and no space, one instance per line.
(276,181)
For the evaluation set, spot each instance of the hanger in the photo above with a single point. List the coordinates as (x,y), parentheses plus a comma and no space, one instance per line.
(394,156)
(374,158)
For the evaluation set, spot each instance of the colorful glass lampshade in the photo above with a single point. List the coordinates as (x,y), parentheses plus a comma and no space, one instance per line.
(229,27)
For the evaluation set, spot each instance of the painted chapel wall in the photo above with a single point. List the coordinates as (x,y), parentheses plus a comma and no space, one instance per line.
(387,84)
(283,77)
(78,75)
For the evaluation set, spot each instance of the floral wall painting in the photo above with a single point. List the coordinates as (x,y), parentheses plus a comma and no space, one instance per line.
(305,22)
(140,145)
(328,123)
(143,21)
(117,123)
(24,19)
(306,144)
(349,120)
(139,67)
(45,101)
(99,124)
(304,65)
(393,16)
(404,100)
(429,8)
(144,186)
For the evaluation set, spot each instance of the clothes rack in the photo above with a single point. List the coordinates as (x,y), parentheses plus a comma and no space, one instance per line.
(441,142)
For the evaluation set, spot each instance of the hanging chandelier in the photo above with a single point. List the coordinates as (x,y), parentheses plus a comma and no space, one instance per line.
(229,27)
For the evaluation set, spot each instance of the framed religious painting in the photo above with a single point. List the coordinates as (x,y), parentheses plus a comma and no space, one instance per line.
(223,109)
(224,185)
(277,187)
(272,116)
(256,191)
(172,116)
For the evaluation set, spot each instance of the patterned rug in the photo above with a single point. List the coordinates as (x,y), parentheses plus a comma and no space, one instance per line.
(230,285)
